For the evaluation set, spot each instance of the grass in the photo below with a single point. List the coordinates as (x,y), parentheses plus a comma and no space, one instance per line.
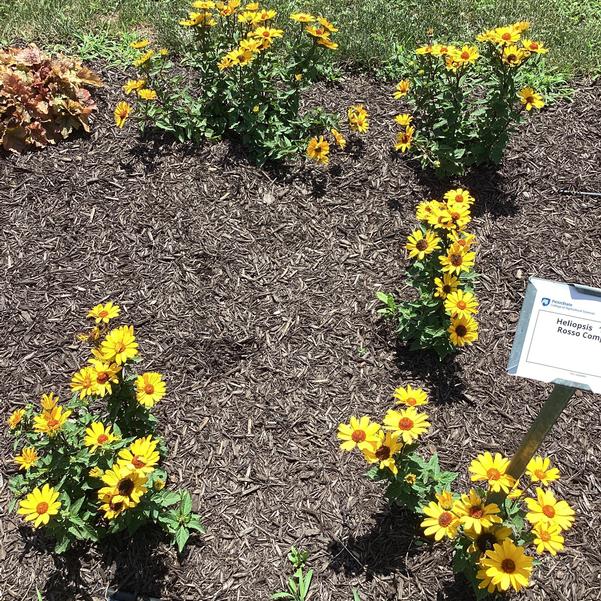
(369,29)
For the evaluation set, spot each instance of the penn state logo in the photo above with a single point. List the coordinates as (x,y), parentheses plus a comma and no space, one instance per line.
(545,302)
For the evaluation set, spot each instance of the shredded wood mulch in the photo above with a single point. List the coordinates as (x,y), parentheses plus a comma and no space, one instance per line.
(253,290)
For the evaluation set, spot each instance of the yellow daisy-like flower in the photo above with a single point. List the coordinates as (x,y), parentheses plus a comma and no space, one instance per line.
(265,15)
(445,286)
(419,244)
(404,119)
(84,382)
(462,239)
(408,424)
(95,472)
(40,505)
(460,304)
(361,433)
(119,345)
(459,196)
(142,60)
(97,435)
(521,26)
(457,260)
(328,25)
(122,112)
(459,215)
(251,44)
(140,44)
(150,389)
(203,4)
(514,56)
(141,455)
(487,538)
(302,17)
(412,397)
(467,54)
(103,376)
(539,470)
(475,514)
(112,504)
(147,94)
(27,459)
(404,139)
(427,209)
(267,34)
(339,139)
(410,479)
(423,50)
(463,331)
(203,18)
(123,484)
(530,99)
(443,49)
(402,89)
(384,453)
(505,35)
(535,47)
(226,62)
(327,43)
(49,401)
(440,522)
(445,499)
(317,32)
(492,470)
(508,566)
(545,508)
(15,418)
(131,86)
(547,537)
(51,422)
(318,149)
(358,118)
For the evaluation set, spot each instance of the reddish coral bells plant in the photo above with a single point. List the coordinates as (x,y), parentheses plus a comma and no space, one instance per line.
(42,99)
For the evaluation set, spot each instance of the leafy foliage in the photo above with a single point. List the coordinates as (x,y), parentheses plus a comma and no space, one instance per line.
(300,582)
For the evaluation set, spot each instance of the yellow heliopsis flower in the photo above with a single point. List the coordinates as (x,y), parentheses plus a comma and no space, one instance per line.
(408,423)
(51,422)
(318,149)
(487,538)
(545,508)
(317,32)
(328,25)
(457,260)
(140,455)
(423,50)
(441,218)
(445,499)
(119,345)
(226,62)
(327,43)
(95,472)
(27,459)
(15,418)
(460,304)
(131,86)
(384,453)
(97,435)
(404,119)
(547,537)
(445,286)
(339,139)
(539,470)
(459,196)
(487,36)
(508,566)
(419,244)
(359,432)
(514,56)
(125,484)
(103,376)
(84,382)
(462,239)
(112,504)
(530,99)
(505,35)
(463,331)
(404,139)
(144,58)
(440,522)
(203,18)
(267,34)
(150,389)
(492,470)
(443,49)
(122,112)
(426,209)
(521,26)
(147,94)
(459,214)
(358,118)
(475,514)
(265,15)
(536,47)
(140,44)
(402,89)
(302,17)
(40,505)
(467,54)
(412,397)
(251,44)
(158,484)
(203,4)
(410,479)
(49,401)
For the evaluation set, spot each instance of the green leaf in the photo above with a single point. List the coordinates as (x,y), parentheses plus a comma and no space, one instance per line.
(186,506)
(181,538)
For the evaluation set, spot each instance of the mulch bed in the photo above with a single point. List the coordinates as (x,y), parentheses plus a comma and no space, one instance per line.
(253,290)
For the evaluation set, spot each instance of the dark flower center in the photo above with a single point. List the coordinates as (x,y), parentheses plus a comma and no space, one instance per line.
(508,566)
(405,423)
(461,331)
(456,260)
(421,245)
(125,487)
(41,508)
(445,518)
(383,453)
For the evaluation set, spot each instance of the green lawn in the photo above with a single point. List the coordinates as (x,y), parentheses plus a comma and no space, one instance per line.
(369,29)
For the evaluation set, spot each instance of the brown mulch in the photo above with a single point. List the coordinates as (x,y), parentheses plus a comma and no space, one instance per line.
(253,290)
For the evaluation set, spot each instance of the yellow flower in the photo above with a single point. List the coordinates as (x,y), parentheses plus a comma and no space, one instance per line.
(539,470)
(27,459)
(507,566)
(463,331)
(251,44)
(122,112)
(404,119)
(426,209)
(144,58)
(327,43)
(84,382)
(318,149)
(104,374)
(457,260)
(419,244)
(203,18)
(112,504)
(265,15)
(514,56)
(358,118)
(462,239)
(95,472)
(404,139)
(461,304)
(536,47)
(475,514)
(97,435)
(412,397)
(360,433)
(123,485)
(141,455)
(159,484)
(383,454)
(492,470)
(440,522)
(40,505)
(485,541)
(408,423)
(339,139)
(445,499)
(131,86)
(446,285)
(443,50)
(505,35)
(119,345)
(140,44)
(266,34)
(226,62)
(147,94)
(521,26)
(50,422)
(302,17)
(329,26)
(203,4)
(410,479)
(163,52)
(530,99)
(459,215)
(459,196)
(547,537)
(49,401)
(467,54)
(424,50)
(150,389)
(15,418)
(402,89)
(545,508)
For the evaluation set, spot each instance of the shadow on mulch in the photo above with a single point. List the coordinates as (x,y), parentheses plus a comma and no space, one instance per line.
(458,589)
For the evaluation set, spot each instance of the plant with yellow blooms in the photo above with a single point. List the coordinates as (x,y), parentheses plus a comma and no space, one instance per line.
(441,250)
(390,448)
(244,68)
(464,100)
(497,539)
(90,466)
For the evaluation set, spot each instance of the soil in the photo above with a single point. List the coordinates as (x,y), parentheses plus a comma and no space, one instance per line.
(253,291)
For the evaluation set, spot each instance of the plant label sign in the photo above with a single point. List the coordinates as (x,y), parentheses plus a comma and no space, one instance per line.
(558,338)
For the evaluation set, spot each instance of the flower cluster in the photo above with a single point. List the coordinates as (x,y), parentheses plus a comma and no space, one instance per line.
(491,539)
(90,469)
(390,448)
(442,318)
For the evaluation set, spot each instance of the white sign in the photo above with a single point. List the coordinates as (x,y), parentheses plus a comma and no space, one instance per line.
(558,338)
